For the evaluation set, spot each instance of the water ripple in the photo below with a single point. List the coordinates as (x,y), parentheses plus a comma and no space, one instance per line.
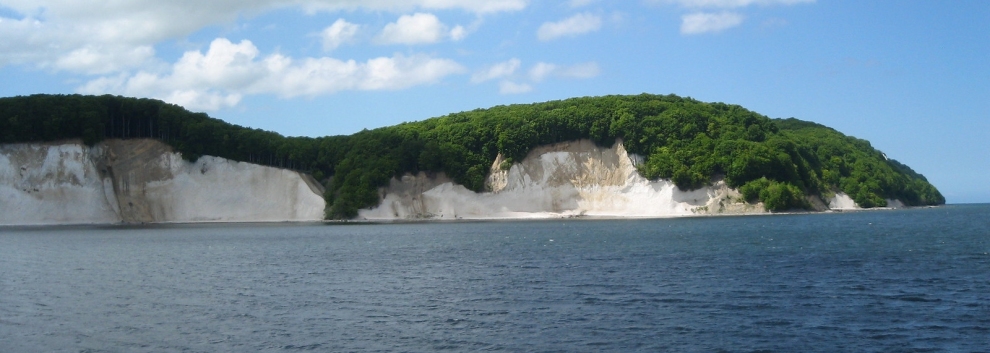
(824,283)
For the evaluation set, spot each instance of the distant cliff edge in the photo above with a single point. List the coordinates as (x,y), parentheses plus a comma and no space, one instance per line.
(144,181)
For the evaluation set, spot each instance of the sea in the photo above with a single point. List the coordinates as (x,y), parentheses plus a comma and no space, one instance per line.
(909,280)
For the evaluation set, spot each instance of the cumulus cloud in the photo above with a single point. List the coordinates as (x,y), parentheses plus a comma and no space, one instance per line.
(541,71)
(227,71)
(728,4)
(697,23)
(419,28)
(338,33)
(53,33)
(572,26)
(499,70)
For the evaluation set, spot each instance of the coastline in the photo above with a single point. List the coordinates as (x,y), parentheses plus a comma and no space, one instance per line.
(451,220)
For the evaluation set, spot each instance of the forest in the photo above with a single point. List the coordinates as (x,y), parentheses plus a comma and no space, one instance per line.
(774,161)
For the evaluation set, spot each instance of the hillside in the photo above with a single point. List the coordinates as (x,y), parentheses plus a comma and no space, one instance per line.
(691,143)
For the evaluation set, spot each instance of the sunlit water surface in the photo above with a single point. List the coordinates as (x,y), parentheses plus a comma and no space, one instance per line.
(879,281)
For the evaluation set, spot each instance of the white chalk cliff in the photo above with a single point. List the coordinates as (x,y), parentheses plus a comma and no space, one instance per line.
(137,181)
(843,202)
(144,181)
(562,180)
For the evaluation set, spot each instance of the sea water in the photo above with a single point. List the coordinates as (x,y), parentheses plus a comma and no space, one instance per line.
(874,281)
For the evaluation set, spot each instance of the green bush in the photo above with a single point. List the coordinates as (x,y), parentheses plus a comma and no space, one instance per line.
(776,196)
(751,190)
(782,197)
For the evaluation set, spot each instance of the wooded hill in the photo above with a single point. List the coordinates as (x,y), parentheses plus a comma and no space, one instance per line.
(692,143)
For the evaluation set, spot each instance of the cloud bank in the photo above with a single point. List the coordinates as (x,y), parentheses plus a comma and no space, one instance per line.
(227,71)
(115,41)
(65,35)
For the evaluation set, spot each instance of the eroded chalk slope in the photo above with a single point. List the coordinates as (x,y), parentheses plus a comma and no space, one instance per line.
(139,181)
(562,180)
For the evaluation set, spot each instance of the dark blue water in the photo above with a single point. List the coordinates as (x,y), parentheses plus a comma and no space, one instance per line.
(886,281)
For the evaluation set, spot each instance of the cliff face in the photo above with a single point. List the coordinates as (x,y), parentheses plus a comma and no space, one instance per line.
(144,181)
(561,180)
(53,184)
(841,202)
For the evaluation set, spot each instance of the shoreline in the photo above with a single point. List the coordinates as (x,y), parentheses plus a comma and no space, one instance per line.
(445,220)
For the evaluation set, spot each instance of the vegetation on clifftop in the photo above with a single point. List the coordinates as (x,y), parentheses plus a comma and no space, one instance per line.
(692,143)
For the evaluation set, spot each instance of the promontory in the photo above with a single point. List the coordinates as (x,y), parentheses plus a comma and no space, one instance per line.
(67,159)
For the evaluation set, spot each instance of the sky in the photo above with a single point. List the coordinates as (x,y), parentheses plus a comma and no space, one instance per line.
(912,77)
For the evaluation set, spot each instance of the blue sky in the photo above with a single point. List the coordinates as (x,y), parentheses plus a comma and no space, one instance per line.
(910,76)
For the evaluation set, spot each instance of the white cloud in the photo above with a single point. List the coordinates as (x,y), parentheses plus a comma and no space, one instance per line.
(511,82)
(21,40)
(541,71)
(419,28)
(95,59)
(39,43)
(710,22)
(697,23)
(728,4)
(458,33)
(572,26)
(499,70)
(203,100)
(224,65)
(227,71)
(54,33)
(509,87)
(338,33)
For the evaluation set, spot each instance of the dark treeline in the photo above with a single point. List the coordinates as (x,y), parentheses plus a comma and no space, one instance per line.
(96,118)
(692,143)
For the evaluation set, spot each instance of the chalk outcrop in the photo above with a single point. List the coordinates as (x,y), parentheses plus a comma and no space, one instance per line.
(141,181)
(561,180)
(843,202)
